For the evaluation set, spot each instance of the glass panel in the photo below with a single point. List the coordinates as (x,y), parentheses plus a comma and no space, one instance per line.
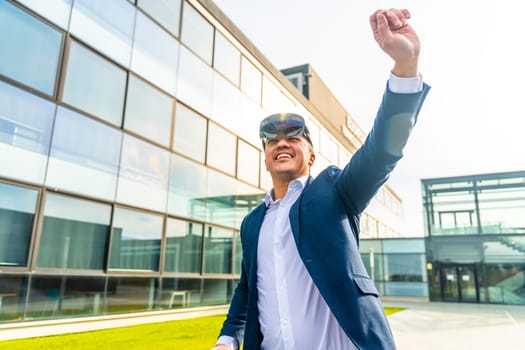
(246,198)
(220,199)
(248,163)
(506,283)
(217,291)
(403,245)
(94,85)
(227,59)
(84,156)
(501,210)
(135,240)
(166,12)
(128,294)
(12,297)
(183,246)
(195,84)
(218,245)
(33,47)
(221,149)
(17,213)
(26,122)
(179,292)
(65,296)
(251,80)
(143,177)
(74,234)
(155,54)
(187,191)
(95,23)
(197,33)
(57,11)
(189,136)
(404,267)
(237,259)
(273,99)
(227,105)
(266,179)
(328,148)
(148,111)
(454,213)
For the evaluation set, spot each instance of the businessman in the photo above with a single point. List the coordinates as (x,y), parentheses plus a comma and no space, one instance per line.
(303,285)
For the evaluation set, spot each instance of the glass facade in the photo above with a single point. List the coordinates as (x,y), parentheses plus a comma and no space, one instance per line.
(475,237)
(129,155)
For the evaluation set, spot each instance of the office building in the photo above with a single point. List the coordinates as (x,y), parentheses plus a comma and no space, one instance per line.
(129,154)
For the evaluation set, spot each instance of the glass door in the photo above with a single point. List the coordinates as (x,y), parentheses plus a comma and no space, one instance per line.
(459,283)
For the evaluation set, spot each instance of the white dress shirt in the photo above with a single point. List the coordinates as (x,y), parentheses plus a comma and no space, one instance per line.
(292,313)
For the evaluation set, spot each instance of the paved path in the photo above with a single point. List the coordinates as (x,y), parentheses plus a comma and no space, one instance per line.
(454,326)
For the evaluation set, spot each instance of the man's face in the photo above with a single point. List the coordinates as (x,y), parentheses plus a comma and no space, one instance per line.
(288,158)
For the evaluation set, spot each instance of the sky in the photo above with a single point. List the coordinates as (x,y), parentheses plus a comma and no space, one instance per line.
(472,55)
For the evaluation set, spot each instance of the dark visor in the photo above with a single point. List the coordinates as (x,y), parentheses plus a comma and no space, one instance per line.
(288,124)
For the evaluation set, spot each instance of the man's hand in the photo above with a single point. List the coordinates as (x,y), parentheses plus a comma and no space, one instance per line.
(398,39)
(222,347)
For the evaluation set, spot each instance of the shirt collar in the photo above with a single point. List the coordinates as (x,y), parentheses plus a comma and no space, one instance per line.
(298,183)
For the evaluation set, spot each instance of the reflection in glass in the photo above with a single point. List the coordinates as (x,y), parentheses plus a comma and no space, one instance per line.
(95,23)
(180,292)
(94,85)
(84,156)
(129,294)
(143,176)
(197,33)
(26,122)
(155,54)
(218,245)
(251,80)
(246,198)
(183,246)
(217,291)
(74,234)
(195,85)
(227,59)
(13,291)
(220,199)
(30,49)
(17,213)
(273,99)
(227,104)
(167,13)
(148,111)
(221,149)
(135,240)
(57,11)
(189,136)
(187,190)
(248,163)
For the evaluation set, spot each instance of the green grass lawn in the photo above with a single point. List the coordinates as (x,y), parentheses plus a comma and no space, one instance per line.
(197,334)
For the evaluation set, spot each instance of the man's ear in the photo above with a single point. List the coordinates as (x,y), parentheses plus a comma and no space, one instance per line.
(312,159)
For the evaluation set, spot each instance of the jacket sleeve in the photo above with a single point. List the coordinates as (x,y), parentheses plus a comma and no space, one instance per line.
(373,162)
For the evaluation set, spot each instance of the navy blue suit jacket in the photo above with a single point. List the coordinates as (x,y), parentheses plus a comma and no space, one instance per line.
(325,225)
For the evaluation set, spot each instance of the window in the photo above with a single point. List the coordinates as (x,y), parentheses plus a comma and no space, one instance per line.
(195,84)
(94,85)
(183,246)
(197,33)
(155,54)
(189,136)
(227,59)
(166,12)
(57,11)
(187,191)
(251,80)
(221,149)
(26,122)
(17,213)
(143,177)
(148,112)
(95,23)
(30,49)
(218,245)
(248,163)
(220,199)
(74,234)
(84,156)
(135,240)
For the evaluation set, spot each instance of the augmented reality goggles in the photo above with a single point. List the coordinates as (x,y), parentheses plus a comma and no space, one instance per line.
(288,124)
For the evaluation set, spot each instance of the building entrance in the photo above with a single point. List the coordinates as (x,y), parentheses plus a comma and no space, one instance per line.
(459,283)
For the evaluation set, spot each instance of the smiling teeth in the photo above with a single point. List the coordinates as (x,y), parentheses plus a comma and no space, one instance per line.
(283,155)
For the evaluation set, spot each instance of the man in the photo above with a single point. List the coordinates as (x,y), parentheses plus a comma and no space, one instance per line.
(303,285)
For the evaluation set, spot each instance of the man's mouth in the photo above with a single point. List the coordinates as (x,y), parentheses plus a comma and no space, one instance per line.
(283,156)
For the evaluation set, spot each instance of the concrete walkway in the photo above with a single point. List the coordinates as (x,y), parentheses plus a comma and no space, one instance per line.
(422,326)
(455,326)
